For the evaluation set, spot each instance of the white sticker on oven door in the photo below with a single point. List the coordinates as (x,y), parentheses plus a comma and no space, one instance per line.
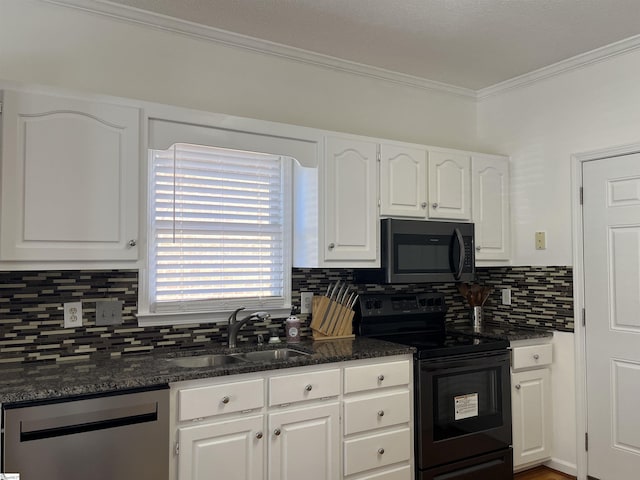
(466,406)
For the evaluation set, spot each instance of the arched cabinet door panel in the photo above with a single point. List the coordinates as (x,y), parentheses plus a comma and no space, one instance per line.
(69,179)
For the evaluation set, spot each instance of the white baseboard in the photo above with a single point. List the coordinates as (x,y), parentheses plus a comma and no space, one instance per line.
(562,466)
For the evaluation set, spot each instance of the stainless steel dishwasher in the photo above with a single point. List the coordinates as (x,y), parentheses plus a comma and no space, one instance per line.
(122,436)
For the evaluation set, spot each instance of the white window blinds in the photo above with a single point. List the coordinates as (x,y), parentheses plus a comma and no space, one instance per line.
(219,230)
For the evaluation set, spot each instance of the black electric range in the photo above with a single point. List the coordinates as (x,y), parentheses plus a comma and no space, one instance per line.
(450,370)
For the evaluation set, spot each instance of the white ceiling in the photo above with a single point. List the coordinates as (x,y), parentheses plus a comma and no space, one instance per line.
(466,43)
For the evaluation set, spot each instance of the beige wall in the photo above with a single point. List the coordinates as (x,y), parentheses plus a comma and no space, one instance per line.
(58,46)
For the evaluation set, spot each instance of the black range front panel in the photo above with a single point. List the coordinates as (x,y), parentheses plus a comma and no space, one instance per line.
(492,466)
(463,409)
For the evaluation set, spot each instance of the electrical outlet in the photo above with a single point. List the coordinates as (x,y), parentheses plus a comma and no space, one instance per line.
(541,241)
(108,312)
(306,299)
(506,296)
(72,314)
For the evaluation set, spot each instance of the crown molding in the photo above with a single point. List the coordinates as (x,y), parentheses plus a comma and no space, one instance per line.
(231,39)
(563,66)
(191,29)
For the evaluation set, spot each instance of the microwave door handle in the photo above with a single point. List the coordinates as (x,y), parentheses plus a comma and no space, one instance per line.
(460,241)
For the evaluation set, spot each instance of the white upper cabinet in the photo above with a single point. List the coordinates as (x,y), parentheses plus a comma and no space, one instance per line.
(403,181)
(490,188)
(69,180)
(449,185)
(350,197)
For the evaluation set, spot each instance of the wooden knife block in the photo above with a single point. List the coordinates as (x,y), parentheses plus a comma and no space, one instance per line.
(330,319)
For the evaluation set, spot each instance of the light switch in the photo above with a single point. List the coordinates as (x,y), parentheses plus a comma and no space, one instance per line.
(541,240)
(108,312)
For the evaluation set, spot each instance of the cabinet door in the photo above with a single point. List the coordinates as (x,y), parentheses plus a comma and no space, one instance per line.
(449,185)
(350,219)
(69,179)
(233,450)
(532,423)
(490,187)
(403,181)
(305,443)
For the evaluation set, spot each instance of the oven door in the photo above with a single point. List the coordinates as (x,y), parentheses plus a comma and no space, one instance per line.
(463,407)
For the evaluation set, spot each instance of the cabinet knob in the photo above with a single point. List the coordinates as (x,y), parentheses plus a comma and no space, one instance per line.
(308,388)
(434,205)
(536,356)
(423,204)
(518,387)
(277,432)
(332,246)
(259,435)
(225,400)
(381,413)
(132,243)
(478,248)
(380,378)
(380,451)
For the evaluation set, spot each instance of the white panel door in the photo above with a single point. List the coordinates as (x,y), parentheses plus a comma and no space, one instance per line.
(449,185)
(305,443)
(351,218)
(232,450)
(611,219)
(69,179)
(490,193)
(403,181)
(532,423)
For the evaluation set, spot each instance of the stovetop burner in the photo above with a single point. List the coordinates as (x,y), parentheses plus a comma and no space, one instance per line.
(417,320)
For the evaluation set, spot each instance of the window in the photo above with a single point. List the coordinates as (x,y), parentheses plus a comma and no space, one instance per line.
(219,231)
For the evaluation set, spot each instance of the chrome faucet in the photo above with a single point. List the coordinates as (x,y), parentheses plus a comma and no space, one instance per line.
(235,324)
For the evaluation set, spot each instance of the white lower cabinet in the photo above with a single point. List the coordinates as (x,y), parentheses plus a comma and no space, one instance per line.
(233,449)
(531,405)
(286,424)
(304,443)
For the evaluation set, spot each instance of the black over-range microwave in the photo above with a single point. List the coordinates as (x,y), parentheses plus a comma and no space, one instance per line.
(418,251)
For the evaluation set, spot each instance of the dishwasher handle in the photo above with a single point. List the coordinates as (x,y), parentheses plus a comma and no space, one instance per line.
(88,421)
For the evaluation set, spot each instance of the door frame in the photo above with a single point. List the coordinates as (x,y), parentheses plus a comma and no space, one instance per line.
(577,161)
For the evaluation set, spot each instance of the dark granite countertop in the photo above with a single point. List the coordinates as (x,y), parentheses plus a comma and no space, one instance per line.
(42,381)
(504,331)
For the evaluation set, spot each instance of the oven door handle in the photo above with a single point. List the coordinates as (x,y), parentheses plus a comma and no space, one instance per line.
(459,241)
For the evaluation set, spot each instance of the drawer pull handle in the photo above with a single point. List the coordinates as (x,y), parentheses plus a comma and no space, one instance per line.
(380,451)
(308,388)
(380,378)
(225,400)
(277,432)
(518,387)
(381,413)
(259,435)
(536,356)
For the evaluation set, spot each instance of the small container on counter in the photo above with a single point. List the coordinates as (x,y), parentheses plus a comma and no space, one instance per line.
(292,328)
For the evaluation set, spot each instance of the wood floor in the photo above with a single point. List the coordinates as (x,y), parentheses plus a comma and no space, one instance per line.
(541,473)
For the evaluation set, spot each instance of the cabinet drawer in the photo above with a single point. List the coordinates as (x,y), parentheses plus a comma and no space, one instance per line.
(532,356)
(219,399)
(375,412)
(376,451)
(371,377)
(304,386)
(401,473)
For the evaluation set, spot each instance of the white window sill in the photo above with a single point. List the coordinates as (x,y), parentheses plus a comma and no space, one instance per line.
(196,318)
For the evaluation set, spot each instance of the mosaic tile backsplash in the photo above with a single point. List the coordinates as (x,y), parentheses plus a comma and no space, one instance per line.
(31,315)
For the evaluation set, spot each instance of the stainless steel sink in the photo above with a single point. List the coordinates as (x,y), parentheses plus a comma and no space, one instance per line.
(200,361)
(270,355)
